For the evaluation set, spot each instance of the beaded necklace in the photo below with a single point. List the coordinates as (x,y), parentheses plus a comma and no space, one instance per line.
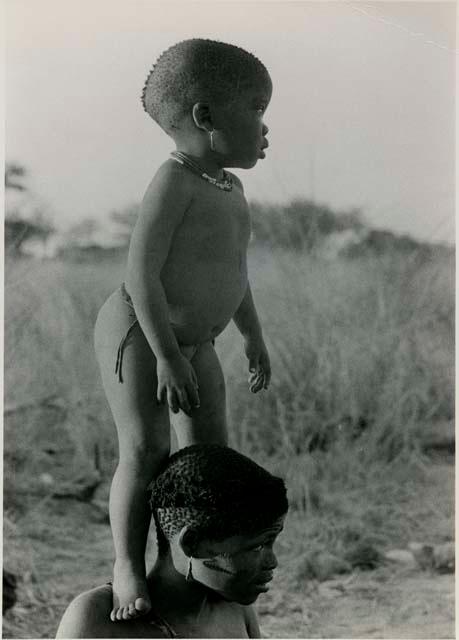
(226,184)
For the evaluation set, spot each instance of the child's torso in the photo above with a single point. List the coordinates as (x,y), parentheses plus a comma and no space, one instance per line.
(205,274)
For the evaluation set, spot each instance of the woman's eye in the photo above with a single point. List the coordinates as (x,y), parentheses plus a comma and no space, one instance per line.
(259,547)
(261,109)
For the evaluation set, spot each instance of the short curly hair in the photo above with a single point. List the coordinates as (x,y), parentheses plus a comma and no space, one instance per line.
(197,70)
(216,490)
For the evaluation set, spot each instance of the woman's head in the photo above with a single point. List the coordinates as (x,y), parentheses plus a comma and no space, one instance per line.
(220,509)
(199,70)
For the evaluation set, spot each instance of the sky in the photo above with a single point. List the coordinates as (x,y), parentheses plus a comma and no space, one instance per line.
(362,114)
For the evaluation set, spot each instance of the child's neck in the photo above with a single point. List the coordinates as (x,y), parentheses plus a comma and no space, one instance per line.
(206,161)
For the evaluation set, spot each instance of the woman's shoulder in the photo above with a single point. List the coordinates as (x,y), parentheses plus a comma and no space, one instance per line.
(88,615)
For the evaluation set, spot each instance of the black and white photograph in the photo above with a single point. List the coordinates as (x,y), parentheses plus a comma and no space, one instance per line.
(229,319)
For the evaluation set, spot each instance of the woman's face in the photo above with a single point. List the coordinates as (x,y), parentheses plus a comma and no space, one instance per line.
(239,568)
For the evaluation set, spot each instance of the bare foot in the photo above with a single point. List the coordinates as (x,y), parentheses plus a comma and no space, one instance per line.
(130,593)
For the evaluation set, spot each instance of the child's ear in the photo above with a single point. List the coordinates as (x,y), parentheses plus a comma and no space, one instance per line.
(202,116)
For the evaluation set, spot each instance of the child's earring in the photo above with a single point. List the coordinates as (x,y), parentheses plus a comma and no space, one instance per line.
(189,574)
(211,134)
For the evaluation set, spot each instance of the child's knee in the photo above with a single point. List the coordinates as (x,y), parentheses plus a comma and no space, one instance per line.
(145,456)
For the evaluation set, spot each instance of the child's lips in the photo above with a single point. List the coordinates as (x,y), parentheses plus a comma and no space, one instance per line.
(264,146)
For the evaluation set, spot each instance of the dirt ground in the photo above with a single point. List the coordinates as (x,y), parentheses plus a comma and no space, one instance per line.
(387,603)
(72,551)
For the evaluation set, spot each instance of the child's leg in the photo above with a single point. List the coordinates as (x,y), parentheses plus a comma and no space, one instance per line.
(144,442)
(208,423)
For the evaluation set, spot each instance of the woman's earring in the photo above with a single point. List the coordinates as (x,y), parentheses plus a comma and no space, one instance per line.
(211,133)
(189,575)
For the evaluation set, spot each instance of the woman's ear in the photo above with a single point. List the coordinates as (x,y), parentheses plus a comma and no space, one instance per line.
(202,116)
(188,540)
(192,544)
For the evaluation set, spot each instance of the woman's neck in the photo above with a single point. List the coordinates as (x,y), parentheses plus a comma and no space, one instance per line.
(173,595)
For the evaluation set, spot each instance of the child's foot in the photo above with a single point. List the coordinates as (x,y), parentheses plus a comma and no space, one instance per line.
(130,594)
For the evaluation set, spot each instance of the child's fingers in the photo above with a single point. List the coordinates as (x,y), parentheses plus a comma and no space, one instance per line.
(267,378)
(183,400)
(172,401)
(260,381)
(161,394)
(194,378)
(256,384)
(193,396)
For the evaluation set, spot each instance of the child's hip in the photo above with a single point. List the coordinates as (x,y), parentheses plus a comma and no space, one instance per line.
(117,327)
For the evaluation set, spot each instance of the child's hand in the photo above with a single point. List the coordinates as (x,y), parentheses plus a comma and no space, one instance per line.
(259,364)
(177,383)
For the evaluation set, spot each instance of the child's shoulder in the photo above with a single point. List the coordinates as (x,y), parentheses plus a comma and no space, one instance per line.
(172,170)
(236,180)
(170,180)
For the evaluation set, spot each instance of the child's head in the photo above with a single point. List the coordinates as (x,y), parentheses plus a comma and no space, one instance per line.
(223,511)
(199,70)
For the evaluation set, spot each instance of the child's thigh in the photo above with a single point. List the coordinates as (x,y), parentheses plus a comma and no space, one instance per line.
(208,423)
(141,422)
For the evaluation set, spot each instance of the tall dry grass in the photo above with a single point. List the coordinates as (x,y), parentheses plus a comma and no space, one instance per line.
(357,347)
(365,342)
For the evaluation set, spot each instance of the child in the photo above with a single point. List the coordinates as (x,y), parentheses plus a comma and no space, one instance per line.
(186,279)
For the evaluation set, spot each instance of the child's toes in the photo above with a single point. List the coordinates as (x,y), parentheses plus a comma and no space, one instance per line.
(113,614)
(119,614)
(126,614)
(142,606)
(132,610)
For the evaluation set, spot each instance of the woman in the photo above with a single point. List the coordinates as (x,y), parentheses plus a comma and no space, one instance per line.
(217,514)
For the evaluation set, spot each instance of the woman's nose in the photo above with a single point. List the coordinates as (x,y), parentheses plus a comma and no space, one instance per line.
(265,129)
(270,560)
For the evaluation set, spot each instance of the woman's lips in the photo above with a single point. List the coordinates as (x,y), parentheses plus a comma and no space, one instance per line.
(262,581)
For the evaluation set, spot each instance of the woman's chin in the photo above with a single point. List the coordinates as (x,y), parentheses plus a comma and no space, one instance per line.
(250,597)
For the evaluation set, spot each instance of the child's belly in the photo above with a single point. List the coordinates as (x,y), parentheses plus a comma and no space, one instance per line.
(202,301)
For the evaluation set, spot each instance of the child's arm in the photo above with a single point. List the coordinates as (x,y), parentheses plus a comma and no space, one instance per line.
(246,320)
(162,210)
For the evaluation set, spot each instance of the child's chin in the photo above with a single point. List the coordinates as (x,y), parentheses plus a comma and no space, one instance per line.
(249,164)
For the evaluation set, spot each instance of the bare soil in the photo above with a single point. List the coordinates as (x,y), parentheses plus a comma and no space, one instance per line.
(68,545)
(387,603)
